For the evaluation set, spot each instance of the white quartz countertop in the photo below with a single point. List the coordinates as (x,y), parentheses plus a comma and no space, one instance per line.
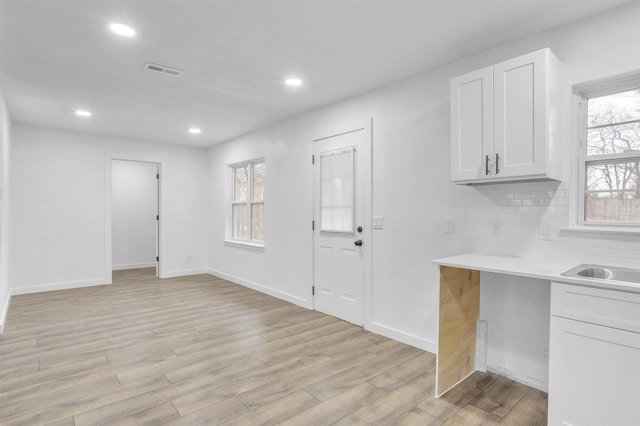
(544,269)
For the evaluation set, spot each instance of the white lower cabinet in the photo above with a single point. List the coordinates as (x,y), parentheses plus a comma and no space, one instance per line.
(594,369)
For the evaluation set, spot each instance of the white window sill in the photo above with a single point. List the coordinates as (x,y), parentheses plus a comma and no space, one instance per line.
(614,230)
(247,244)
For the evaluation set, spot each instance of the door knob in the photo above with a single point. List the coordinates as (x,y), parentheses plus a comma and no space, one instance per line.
(358,243)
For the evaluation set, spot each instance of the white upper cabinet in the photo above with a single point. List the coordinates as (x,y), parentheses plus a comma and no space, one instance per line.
(503,119)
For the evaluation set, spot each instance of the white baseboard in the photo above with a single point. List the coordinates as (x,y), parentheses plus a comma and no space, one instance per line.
(401,336)
(305,303)
(5,310)
(122,267)
(380,329)
(57,286)
(184,273)
(520,378)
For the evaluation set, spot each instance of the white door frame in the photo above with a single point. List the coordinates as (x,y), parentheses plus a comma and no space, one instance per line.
(162,240)
(367,236)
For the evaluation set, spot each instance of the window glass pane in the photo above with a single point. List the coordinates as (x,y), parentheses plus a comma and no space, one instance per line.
(240,187)
(257,221)
(337,191)
(258,182)
(614,139)
(613,125)
(615,108)
(239,222)
(613,191)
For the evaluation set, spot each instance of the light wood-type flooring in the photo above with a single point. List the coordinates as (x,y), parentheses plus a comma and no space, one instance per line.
(200,350)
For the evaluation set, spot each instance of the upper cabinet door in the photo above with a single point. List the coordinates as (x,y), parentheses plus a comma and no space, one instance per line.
(471,124)
(502,120)
(521,111)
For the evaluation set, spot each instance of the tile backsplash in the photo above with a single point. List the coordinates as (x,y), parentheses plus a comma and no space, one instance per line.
(530,219)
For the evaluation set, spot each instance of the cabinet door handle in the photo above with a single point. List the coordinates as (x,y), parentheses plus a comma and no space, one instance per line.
(486,165)
(497,158)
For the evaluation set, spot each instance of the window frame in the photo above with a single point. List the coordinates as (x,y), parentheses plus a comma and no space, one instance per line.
(583,92)
(249,203)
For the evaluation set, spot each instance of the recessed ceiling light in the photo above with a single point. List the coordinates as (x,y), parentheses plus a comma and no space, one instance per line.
(83,113)
(294,82)
(195,131)
(122,30)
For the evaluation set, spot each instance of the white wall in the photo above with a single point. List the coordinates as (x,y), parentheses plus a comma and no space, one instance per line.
(4,211)
(134,206)
(411,190)
(60,212)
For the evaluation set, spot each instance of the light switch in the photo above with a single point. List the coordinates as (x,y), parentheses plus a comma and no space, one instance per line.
(378,222)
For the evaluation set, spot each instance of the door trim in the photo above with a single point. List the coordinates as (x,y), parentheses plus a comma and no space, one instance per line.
(367,126)
(108,243)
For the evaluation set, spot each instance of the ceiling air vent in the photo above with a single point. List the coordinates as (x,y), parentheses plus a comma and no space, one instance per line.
(162,69)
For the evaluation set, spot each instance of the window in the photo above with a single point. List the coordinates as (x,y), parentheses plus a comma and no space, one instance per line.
(610,157)
(247,201)
(337,195)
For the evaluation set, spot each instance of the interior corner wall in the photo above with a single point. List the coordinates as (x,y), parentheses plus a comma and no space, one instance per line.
(134,206)
(5,145)
(58,212)
(411,187)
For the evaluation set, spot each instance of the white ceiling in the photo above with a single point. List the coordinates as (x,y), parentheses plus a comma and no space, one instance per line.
(59,55)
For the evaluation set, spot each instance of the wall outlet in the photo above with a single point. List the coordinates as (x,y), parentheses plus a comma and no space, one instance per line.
(188,259)
(450,226)
(496,227)
(544,352)
(545,231)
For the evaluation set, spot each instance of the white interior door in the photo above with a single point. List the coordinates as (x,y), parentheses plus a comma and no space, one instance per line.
(340,237)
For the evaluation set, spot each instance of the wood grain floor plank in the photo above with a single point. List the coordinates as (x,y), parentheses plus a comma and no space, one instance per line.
(394,404)
(63,422)
(71,407)
(245,382)
(201,350)
(404,371)
(529,411)
(132,372)
(272,391)
(53,394)
(19,369)
(471,415)
(159,414)
(416,417)
(30,381)
(500,396)
(333,409)
(213,414)
(280,410)
(340,381)
(12,347)
(125,407)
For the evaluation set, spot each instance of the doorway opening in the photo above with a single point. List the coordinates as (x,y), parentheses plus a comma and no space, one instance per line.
(135,215)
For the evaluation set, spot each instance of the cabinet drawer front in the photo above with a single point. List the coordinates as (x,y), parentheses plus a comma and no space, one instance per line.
(598,306)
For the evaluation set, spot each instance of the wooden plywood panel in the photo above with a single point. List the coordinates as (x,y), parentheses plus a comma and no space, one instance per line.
(459,312)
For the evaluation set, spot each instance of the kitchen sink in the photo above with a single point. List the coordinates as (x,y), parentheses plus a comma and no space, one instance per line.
(604,273)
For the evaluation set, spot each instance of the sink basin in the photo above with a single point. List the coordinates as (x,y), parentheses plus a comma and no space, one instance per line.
(604,273)
(595,272)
